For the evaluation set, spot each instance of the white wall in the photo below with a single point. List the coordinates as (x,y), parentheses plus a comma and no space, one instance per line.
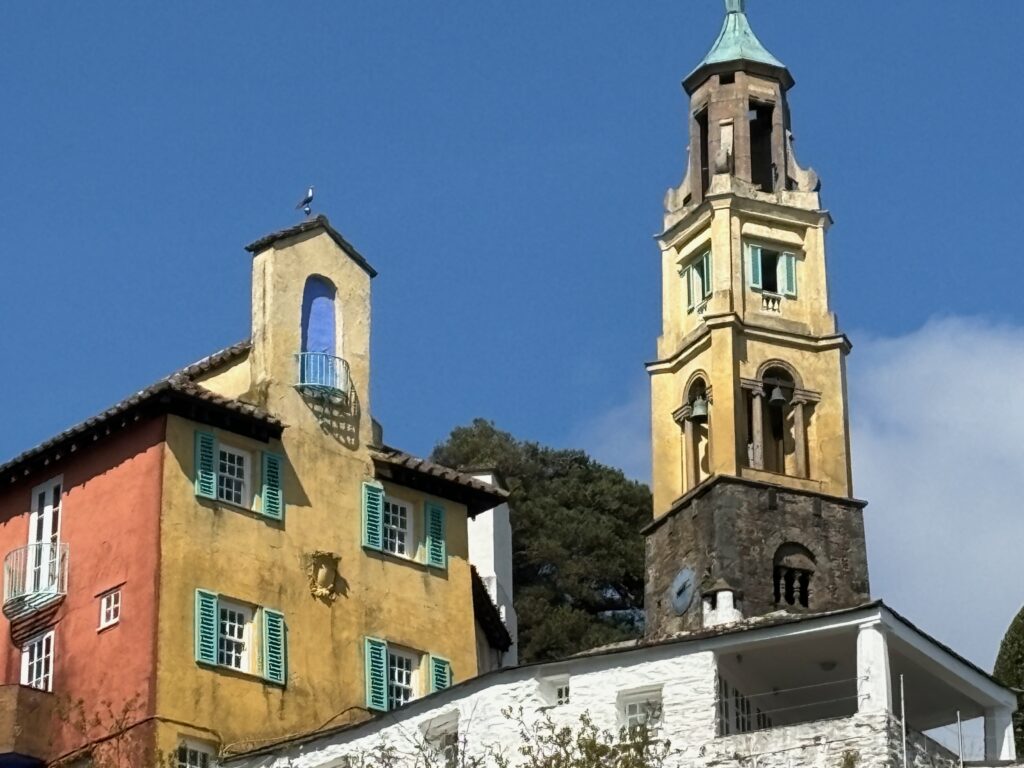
(490,551)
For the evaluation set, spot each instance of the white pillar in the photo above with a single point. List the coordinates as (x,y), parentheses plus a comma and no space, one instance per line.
(874,687)
(999,734)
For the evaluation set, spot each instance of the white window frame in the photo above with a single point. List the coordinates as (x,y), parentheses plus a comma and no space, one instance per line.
(636,704)
(555,690)
(247,474)
(47,645)
(415,664)
(248,655)
(197,755)
(43,562)
(110,608)
(411,543)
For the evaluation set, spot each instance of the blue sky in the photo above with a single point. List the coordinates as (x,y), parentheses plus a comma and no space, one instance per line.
(502,165)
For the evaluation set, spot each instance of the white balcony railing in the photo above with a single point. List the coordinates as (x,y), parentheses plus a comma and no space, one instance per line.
(322,374)
(34,575)
(771,302)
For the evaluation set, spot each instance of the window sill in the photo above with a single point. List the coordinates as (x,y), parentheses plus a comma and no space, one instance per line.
(388,556)
(105,627)
(252,677)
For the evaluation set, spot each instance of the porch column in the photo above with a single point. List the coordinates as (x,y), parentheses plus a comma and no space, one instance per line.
(800,437)
(874,687)
(999,734)
(757,427)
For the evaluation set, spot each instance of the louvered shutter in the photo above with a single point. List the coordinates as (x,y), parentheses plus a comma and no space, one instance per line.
(206,465)
(373,515)
(789,274)
(437,550)
(440,673)
(687,279)
(275,651)
(708,277)
(755,266)
(206,627)
(376,675)
(272,493)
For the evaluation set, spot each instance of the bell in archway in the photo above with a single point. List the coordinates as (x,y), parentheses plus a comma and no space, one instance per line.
(699,410)
(778,398)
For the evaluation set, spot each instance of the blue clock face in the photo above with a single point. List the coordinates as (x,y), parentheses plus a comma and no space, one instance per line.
(682,590)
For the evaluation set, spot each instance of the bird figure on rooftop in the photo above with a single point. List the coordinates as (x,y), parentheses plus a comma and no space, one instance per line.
(306,202)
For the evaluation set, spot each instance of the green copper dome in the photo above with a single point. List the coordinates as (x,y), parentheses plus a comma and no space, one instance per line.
(737,41)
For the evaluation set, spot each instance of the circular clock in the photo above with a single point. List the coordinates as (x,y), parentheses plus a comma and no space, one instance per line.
(682,590)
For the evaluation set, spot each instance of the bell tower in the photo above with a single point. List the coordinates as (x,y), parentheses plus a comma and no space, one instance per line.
(753,495)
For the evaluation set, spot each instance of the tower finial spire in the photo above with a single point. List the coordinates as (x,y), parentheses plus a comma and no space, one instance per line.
(735,6)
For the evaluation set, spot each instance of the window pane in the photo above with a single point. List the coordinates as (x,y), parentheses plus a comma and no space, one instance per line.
(400,683)
(396,528)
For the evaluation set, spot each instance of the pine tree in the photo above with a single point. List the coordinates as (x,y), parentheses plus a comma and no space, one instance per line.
(578,556)
(1009,671)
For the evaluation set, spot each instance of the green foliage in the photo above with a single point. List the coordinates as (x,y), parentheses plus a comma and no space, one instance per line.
(1009,671)
(578,554)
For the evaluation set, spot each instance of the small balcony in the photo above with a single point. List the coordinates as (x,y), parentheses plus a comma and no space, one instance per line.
(34,576)
(771,302)
(323,376)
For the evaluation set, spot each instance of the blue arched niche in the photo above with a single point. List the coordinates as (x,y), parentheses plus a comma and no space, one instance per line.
(319,333)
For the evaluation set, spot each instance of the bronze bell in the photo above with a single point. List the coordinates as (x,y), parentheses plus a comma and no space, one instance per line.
(778,398)
(699,410)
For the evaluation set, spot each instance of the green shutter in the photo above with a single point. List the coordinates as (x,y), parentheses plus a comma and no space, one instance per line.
(373,515)
(440,674)
(755,266)
(437,551)
(272,493)
(687,278)
(376,675)
(275,650)
(790,274)
(206,627)
(206,465)
(708,277)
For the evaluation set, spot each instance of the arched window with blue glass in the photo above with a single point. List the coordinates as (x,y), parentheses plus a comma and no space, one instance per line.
(321,367)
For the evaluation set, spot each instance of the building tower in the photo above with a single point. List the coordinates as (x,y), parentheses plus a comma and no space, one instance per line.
(753,500)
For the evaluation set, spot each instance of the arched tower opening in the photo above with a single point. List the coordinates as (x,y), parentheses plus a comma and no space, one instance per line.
(793,569)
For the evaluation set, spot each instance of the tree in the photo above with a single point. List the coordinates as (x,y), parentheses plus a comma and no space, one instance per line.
(578,556)
(1009,670)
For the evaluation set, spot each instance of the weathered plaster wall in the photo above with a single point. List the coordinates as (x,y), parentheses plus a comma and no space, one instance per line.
(732,532)
(687,685)
(109,519)
(246,557)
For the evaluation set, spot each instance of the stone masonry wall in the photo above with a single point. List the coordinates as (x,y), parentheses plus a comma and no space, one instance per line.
(732,532)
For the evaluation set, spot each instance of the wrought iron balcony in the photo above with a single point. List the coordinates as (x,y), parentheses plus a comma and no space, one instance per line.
(322,375)
(34,576)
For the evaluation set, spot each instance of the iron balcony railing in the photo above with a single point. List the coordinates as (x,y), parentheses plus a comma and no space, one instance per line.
(322,374)
(34,575)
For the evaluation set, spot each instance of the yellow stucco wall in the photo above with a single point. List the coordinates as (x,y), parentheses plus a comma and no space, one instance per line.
(732,336)
(248,558)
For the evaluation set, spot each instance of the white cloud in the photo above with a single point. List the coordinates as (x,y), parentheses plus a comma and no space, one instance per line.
(938,447)
(938,432)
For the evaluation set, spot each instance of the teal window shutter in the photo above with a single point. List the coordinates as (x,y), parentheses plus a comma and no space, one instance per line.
(206,465)
(708,278)
(376,675)
(275,650)
(440,674)
(789,260)
(206,627)
(437,550)
(755,266)
(687,278)
(272,493)
(373,515)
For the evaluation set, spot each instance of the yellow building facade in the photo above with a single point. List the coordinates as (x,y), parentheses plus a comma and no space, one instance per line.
(342,587)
